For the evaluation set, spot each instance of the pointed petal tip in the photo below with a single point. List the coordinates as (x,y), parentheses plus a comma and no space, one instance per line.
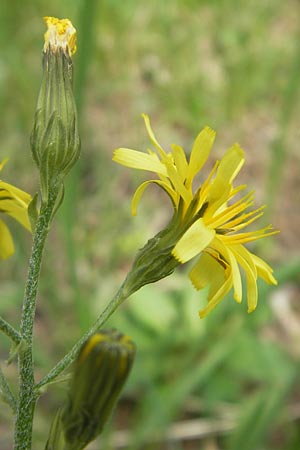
(3,162)
(237,147)
(251,309)
(238,299)
(210,130)
(146,119)
(134,212)
(202,314)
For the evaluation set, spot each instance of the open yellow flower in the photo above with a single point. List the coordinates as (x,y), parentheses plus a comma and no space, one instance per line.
(14,203)
(208,219)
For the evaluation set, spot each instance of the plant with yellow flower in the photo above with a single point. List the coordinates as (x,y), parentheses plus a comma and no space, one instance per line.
(208,224)
(207,221)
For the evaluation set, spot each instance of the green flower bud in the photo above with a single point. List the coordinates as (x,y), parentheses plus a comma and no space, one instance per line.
(55,141)
(101,370)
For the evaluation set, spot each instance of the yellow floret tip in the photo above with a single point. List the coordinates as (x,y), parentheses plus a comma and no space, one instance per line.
(60,34)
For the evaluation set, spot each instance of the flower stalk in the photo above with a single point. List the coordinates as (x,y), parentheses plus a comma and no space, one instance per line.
(27,396)
(70,357)
(55,146)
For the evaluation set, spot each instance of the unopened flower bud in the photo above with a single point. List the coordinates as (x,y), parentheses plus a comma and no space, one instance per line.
(101,370)
(55,141)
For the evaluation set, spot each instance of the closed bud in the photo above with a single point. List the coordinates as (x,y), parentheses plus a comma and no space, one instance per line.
(55,141)
(100,372)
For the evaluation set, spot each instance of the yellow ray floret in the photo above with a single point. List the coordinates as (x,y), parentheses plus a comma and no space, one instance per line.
(207,219)
(14,203)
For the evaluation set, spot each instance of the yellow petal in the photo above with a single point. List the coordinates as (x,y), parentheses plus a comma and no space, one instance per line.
(204,190)
(20,214)
(6,242)
(226,213)
(209,271)
(264,271)
(200,152)
(240,222)
(180,161)
(217,298)
(245,259)
(14,202)
(140,190)
(221,187)
(2,164)
(242,238)
(235,271)
(152,136)
(193,242)
(23,197)
(230,165)
(236,278)
(139,160)
(178,183)
(206,271)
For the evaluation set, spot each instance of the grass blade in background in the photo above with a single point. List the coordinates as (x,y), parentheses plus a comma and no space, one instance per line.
(86,21)
(290,99)
(262,414)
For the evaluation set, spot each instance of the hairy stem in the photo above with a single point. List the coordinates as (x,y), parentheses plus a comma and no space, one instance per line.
(71,355)
(27,397)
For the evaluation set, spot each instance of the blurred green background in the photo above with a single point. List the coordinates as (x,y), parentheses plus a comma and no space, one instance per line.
(230,381)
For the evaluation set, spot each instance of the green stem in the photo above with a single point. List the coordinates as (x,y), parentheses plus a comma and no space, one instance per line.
(71,355)
(27,397)
(7,329)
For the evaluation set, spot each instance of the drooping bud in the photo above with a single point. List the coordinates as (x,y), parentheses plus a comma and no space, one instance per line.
(55,141)
(101,369)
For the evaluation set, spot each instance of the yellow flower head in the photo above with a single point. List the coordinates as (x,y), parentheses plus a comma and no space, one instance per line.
(208,219)
(60,35)
(14,203)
